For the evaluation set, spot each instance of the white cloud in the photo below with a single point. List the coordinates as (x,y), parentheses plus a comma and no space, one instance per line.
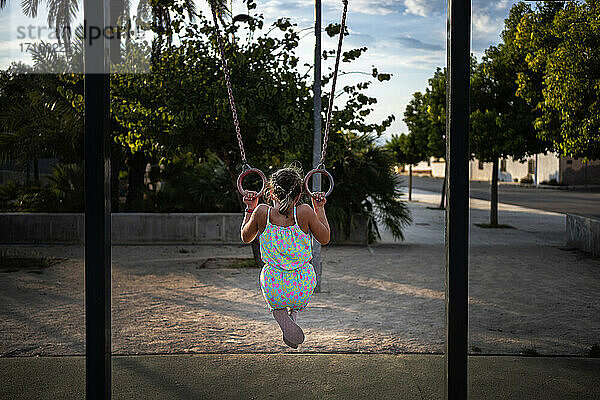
(412,43)
(375,7)
(284,8)
(484,24)
(414,61)
(502,5)
(478,54)
(13,46)
(421,8)
(275,8)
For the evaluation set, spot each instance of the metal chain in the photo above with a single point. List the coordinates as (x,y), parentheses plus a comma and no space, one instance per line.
(236,123)
(335,74)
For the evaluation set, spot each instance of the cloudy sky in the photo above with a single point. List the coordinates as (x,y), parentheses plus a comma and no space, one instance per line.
(404,37)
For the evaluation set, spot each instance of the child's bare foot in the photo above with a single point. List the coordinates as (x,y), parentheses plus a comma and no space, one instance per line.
(291,331)
(292,345)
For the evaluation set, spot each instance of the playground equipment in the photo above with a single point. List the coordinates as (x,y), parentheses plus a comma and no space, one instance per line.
(246,168)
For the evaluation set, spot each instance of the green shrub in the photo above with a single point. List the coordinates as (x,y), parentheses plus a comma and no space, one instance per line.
(365,185)
(64,192)
(9,192)
(193,184)
(34,263)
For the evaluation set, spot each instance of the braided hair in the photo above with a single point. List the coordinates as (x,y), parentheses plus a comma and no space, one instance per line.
(285,185)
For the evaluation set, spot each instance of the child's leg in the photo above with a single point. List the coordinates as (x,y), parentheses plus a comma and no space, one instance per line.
(291,331)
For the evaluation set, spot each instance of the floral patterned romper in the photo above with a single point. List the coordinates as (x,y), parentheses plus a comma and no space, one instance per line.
(288,279)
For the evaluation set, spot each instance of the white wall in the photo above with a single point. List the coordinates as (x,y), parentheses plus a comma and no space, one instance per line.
(514,170)
(548,168)
(438,168)
(433,168)
(476,174)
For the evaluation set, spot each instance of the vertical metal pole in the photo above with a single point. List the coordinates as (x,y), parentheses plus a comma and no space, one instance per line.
(316,185)
(97,201)
(457,210)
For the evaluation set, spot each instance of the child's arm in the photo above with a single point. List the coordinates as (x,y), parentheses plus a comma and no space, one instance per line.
(317,220)
(249,228)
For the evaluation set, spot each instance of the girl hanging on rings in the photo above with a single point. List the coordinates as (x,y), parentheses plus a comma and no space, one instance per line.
(285,232)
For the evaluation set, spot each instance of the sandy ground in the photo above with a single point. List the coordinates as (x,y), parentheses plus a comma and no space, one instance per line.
(527,291)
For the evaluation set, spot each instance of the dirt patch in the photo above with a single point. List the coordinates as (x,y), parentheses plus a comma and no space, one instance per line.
(32,264)
(526,295)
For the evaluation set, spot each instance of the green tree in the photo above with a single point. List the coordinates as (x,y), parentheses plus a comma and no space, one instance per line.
(561,44)
(413,148)
(183,106)
(37,119)
(408,150)
(501,123)
(178,115)
(62,193)
(435,103)
(425,116)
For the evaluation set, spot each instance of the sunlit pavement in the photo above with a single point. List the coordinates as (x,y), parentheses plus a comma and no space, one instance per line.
(529,226)
(528,293)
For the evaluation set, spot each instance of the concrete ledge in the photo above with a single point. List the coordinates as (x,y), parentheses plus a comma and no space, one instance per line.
(143,228)
(302,376)
(583,233)
(41,228)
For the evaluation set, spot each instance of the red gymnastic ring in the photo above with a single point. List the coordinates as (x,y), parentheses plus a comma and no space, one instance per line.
(321,171)
(247,172)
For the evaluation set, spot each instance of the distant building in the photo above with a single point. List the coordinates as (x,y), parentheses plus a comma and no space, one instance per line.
(538,169)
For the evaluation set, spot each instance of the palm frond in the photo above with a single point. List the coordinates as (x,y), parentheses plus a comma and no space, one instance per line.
(9,147)
(29,7)
(144,11)
(220,8)
(190,7)
(46,58)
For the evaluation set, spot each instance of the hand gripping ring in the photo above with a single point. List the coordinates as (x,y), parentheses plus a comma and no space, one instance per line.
(246,172)
(318,170)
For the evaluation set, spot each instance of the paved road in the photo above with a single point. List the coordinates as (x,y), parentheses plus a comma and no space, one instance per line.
(573,201)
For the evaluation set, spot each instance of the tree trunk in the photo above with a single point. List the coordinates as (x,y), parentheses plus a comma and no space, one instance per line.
(36,170)
(410,182)
(494,193)
(28,178)
(233,178)
(135,188)
(255,243)
(443,199)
